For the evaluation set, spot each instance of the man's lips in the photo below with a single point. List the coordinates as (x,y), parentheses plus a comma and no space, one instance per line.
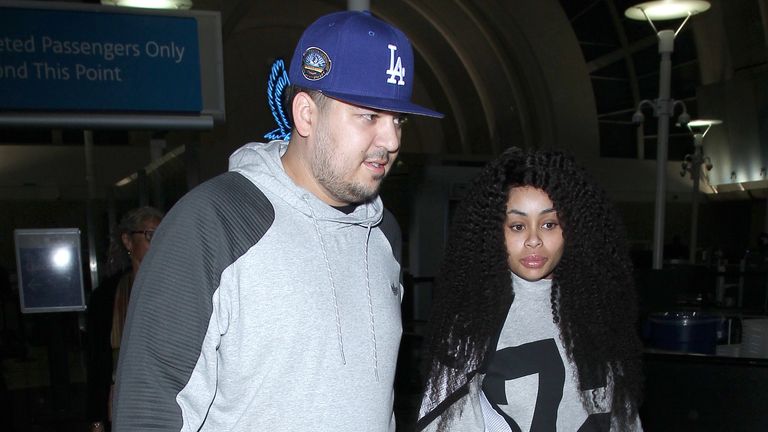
(376,165)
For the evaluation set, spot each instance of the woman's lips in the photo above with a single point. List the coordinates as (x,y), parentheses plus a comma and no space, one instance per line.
(534,261)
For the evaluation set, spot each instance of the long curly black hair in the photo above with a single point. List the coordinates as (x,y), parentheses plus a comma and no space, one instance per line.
(593,296)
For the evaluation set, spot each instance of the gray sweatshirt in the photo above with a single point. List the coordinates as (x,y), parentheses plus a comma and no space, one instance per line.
(261,308)
(529,385)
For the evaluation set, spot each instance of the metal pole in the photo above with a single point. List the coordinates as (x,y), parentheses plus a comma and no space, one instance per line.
(90,219)
(143,187)
(156,147)
(698,159)
(664,111)
(358,5)
(192,163)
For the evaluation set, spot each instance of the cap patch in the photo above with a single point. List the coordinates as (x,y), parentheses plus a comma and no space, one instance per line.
(315,64)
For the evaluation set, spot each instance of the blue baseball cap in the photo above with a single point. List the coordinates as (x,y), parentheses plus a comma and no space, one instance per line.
(356,58)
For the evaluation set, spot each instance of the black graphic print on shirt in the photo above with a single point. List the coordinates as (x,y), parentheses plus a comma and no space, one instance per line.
(597,423)
(540,358)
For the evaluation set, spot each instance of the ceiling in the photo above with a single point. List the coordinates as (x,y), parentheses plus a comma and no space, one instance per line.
(534,73)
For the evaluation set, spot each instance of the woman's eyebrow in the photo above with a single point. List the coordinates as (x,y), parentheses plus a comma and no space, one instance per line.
(521,213)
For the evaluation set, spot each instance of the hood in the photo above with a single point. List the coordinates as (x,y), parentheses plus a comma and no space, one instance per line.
(260,162)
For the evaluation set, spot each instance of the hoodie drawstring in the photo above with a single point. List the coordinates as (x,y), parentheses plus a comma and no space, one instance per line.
(333,284)
(369,227)
(370,307)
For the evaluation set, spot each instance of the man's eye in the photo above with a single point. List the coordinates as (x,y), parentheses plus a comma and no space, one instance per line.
(369,117)
(401,120)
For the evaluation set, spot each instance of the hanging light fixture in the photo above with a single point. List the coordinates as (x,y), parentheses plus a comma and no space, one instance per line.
(666,9)
(664,105)
(150,4)
(693,164)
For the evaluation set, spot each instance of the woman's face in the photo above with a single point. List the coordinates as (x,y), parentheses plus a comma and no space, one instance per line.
(532,234)
(137,242)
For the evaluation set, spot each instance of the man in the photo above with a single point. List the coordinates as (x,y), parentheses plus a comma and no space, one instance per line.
(270,300)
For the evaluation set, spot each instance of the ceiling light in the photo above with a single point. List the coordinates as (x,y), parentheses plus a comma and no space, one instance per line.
(700,127)
(703,122)
(665,9)
(150,4)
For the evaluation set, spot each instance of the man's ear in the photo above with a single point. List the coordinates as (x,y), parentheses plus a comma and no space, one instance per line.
(302,108)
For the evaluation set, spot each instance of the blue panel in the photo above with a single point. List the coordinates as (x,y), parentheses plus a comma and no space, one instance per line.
(104,62)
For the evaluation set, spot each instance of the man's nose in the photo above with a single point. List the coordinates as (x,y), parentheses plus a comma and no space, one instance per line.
(388,135)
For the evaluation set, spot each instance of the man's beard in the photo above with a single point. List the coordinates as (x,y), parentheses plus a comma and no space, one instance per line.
(330,176)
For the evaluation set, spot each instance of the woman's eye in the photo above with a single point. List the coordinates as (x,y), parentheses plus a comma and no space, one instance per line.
(516,227)
(549,225)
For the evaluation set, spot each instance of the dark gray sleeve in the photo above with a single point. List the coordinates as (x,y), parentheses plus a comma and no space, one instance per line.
(391,230)
(171,301)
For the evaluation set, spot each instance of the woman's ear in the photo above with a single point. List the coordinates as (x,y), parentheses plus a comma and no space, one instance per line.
(303,107)
(127,242)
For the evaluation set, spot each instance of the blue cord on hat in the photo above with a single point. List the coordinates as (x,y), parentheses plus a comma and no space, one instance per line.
(278,81)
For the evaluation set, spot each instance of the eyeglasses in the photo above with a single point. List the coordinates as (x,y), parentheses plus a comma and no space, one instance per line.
(147,234)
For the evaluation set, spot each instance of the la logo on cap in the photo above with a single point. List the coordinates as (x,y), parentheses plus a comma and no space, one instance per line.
(396,68)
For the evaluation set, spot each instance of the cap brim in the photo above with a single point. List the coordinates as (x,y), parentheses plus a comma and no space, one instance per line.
(382,104)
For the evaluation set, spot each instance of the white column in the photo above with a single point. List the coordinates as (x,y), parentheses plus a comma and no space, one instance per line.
(358,5)
(664,111)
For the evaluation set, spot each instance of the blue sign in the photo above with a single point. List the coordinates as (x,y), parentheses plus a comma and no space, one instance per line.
(60,60)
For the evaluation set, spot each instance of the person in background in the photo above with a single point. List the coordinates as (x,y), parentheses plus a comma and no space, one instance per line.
(106,309)
(533,326)
(270,300)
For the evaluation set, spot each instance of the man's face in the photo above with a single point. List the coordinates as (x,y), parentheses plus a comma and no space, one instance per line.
(353,150)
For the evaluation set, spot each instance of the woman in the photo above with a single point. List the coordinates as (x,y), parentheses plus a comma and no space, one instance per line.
(533,326)
(108,306)
(136,230)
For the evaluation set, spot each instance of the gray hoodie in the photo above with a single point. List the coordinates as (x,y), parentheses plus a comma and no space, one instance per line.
(261,308)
